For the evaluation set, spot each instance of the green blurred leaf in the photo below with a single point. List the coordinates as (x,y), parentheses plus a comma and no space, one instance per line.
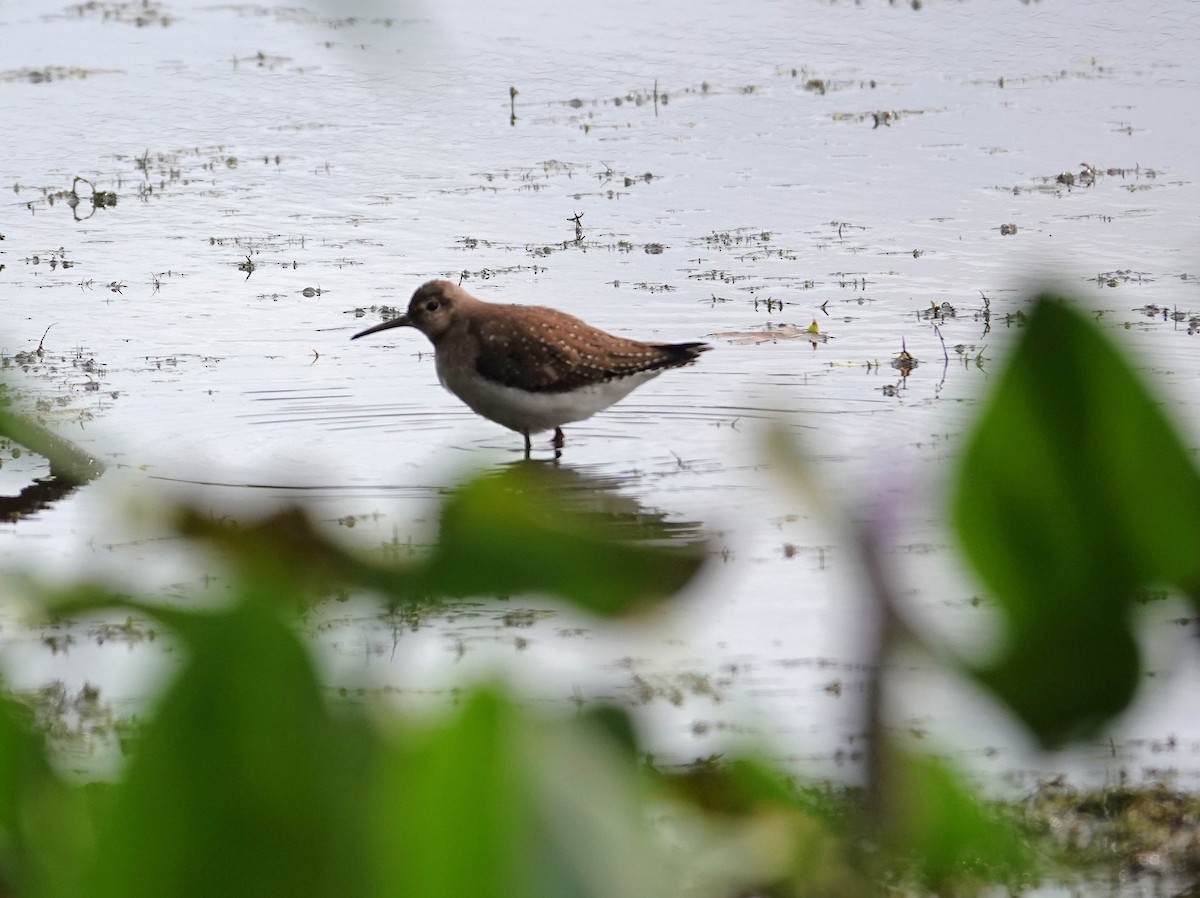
(67,461)
(45,833)
(1074,492)
(937,831)
(758,832)
(295,561)
(495,803)
(243,783)
(616,724)
(741,784)
(456,809)
(520,530)
(511,532)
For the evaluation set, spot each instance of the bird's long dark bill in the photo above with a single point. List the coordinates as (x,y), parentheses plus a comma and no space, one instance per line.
(402,321)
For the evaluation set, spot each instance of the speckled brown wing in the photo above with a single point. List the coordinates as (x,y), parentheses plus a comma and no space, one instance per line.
(546,351)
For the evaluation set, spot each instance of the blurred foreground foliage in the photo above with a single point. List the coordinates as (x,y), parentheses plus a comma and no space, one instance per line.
(247,780)
(1076,497)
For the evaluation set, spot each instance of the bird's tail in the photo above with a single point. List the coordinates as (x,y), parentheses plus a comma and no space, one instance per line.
(683,353)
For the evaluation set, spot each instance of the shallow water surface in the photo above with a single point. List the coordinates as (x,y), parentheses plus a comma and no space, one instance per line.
(261,182)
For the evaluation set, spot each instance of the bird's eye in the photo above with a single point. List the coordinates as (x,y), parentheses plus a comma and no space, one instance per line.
(432,305)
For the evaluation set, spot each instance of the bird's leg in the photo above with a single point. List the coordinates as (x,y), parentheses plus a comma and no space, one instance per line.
(559,440)
(528,445)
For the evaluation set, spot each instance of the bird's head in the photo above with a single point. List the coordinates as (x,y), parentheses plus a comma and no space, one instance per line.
(430,311)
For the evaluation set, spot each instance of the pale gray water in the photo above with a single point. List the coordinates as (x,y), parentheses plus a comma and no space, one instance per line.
(362,158)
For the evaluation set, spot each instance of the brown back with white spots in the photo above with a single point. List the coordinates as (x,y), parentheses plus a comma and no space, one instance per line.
(532,347)
(544,350)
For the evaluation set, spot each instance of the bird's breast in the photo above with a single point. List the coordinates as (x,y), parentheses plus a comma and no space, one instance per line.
(528,411)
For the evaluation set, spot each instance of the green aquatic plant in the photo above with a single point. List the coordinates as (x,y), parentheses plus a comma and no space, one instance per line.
(1075,495)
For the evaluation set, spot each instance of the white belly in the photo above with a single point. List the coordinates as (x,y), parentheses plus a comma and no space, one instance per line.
(531,412)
